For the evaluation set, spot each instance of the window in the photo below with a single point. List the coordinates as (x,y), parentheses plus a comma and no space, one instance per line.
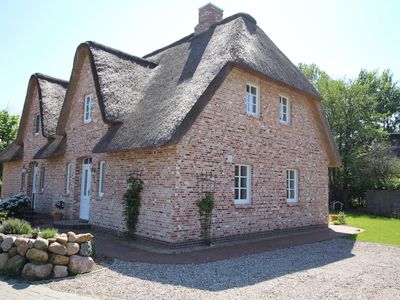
(101,178)
(242,184)
(292,185)
(42,171)
(87,118)
(36,124)
(252,100)
(284,110)
(69,174)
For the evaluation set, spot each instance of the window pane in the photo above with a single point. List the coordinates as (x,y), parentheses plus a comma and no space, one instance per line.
(103,172)
(85,178)
(243,171)
(243,182)
(291,194)
(253,90)
(236,170)
(236,182)
(247,88)
(236,194)
(243,194)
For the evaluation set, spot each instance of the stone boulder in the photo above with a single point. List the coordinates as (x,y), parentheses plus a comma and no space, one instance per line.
(30,243)
(22,245)
(59,259)
(84,237)
(12,252)
(3,260)
(37,271)
(36,255)
(62,239)
(72,248)
(80,264)
(41,244)
(71,237)
(86,249)
(7,243)
(60,271)
(14,265)
(2,236)
(57,248)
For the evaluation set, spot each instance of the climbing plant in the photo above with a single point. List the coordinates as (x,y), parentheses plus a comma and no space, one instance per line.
(131,202)
(206,206)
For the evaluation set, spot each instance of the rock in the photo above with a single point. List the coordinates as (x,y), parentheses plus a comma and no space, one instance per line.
(57,248)
(59,259)
(52,240)
(41,244)
(36,271)
(22,245)
(14,265)
(36,255)
(80,264)
(72,248)
(7,243)
(71,237)
(83,237)
(12,252)
(62,239)
(30,243)
(60,271)
(3,260)
(86,249)
(2,235)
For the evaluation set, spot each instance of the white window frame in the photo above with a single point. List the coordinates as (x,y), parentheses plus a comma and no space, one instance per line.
(295,188)
(36,124)
(69,173)
(88,109)
(281,113)
(102,176)
(238,199)
(249,103)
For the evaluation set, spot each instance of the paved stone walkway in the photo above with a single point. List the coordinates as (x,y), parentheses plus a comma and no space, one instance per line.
(19,290)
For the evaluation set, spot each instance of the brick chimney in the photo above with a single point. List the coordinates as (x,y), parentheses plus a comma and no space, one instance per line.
(209,14)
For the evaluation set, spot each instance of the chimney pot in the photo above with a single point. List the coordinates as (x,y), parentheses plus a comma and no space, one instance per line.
(209,14)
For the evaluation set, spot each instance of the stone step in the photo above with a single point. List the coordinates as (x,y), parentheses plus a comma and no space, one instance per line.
(72,224)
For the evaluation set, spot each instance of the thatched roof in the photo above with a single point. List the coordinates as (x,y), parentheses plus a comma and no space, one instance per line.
(11,153)
(53,148)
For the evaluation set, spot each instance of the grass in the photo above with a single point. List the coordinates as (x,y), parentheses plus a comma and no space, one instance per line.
(377,229)
(48,233)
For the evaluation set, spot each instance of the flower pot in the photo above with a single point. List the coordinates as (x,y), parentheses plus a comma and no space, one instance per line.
(57,216)
(334,218)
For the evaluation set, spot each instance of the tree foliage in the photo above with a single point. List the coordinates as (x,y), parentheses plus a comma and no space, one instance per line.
(8,128)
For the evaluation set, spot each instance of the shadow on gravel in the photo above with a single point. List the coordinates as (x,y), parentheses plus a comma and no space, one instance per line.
(241,271)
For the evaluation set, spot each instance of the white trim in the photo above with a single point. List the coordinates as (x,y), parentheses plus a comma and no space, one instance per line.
(249,111)
(248,185)
(88,109)
(295,188)
(69,167)
(101,178)
(287,121)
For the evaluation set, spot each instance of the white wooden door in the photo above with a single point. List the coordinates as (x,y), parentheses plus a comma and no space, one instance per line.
(35,184)
(85,192)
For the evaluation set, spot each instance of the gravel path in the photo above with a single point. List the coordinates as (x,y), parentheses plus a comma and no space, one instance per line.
(334,269)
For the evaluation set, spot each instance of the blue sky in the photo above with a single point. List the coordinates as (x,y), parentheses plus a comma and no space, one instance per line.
(340,36)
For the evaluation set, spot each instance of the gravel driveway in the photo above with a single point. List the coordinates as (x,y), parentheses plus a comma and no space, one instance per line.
(334,269)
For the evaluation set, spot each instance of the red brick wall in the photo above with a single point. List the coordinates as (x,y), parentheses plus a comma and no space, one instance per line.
(11,178)
(270,148)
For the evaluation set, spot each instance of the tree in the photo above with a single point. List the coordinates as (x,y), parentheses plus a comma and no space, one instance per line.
(8,128)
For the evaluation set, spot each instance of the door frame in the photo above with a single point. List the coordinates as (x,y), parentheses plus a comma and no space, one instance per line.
(35,178)
(85,188)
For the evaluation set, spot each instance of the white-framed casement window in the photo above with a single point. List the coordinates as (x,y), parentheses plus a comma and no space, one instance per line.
(242,184)
(102,175)
(87,116)
(42,176)
(252,100)
(36,124)
(292,186)
(69,174)
(284,110)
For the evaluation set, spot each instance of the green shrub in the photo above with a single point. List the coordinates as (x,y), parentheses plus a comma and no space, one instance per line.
(131,202)
(341,218)
(16,205)
(15,226)
(48,233)
(3,216)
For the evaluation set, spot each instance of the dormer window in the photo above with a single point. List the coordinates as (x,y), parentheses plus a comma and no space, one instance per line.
(36,124)
(252,100)
(87,116)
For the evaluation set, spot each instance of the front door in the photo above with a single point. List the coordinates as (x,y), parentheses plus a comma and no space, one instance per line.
(35,183)
(85,190)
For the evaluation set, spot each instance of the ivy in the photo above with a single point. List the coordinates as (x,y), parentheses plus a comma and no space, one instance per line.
(206,206)
(131,202)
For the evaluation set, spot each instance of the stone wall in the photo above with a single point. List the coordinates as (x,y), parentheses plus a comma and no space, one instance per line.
(384,203)
(36,259)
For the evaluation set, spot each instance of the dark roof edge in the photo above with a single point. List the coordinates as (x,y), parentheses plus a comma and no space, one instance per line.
(51,79)
(123,55)
(16,151)
(188,37)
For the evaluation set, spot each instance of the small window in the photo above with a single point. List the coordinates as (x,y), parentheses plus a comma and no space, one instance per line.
(101,178)
(42,174)
(242,184)
(292,185)
(87,118)
(69,174)
(252,100)
(36,124)
(284,110)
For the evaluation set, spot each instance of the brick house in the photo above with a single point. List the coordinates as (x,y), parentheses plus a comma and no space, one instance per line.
(222,105)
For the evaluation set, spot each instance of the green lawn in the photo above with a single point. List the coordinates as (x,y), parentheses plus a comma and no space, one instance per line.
(377,229)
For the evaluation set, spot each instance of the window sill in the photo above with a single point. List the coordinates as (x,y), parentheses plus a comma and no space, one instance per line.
(243,205)
(293,203)
(284,123)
